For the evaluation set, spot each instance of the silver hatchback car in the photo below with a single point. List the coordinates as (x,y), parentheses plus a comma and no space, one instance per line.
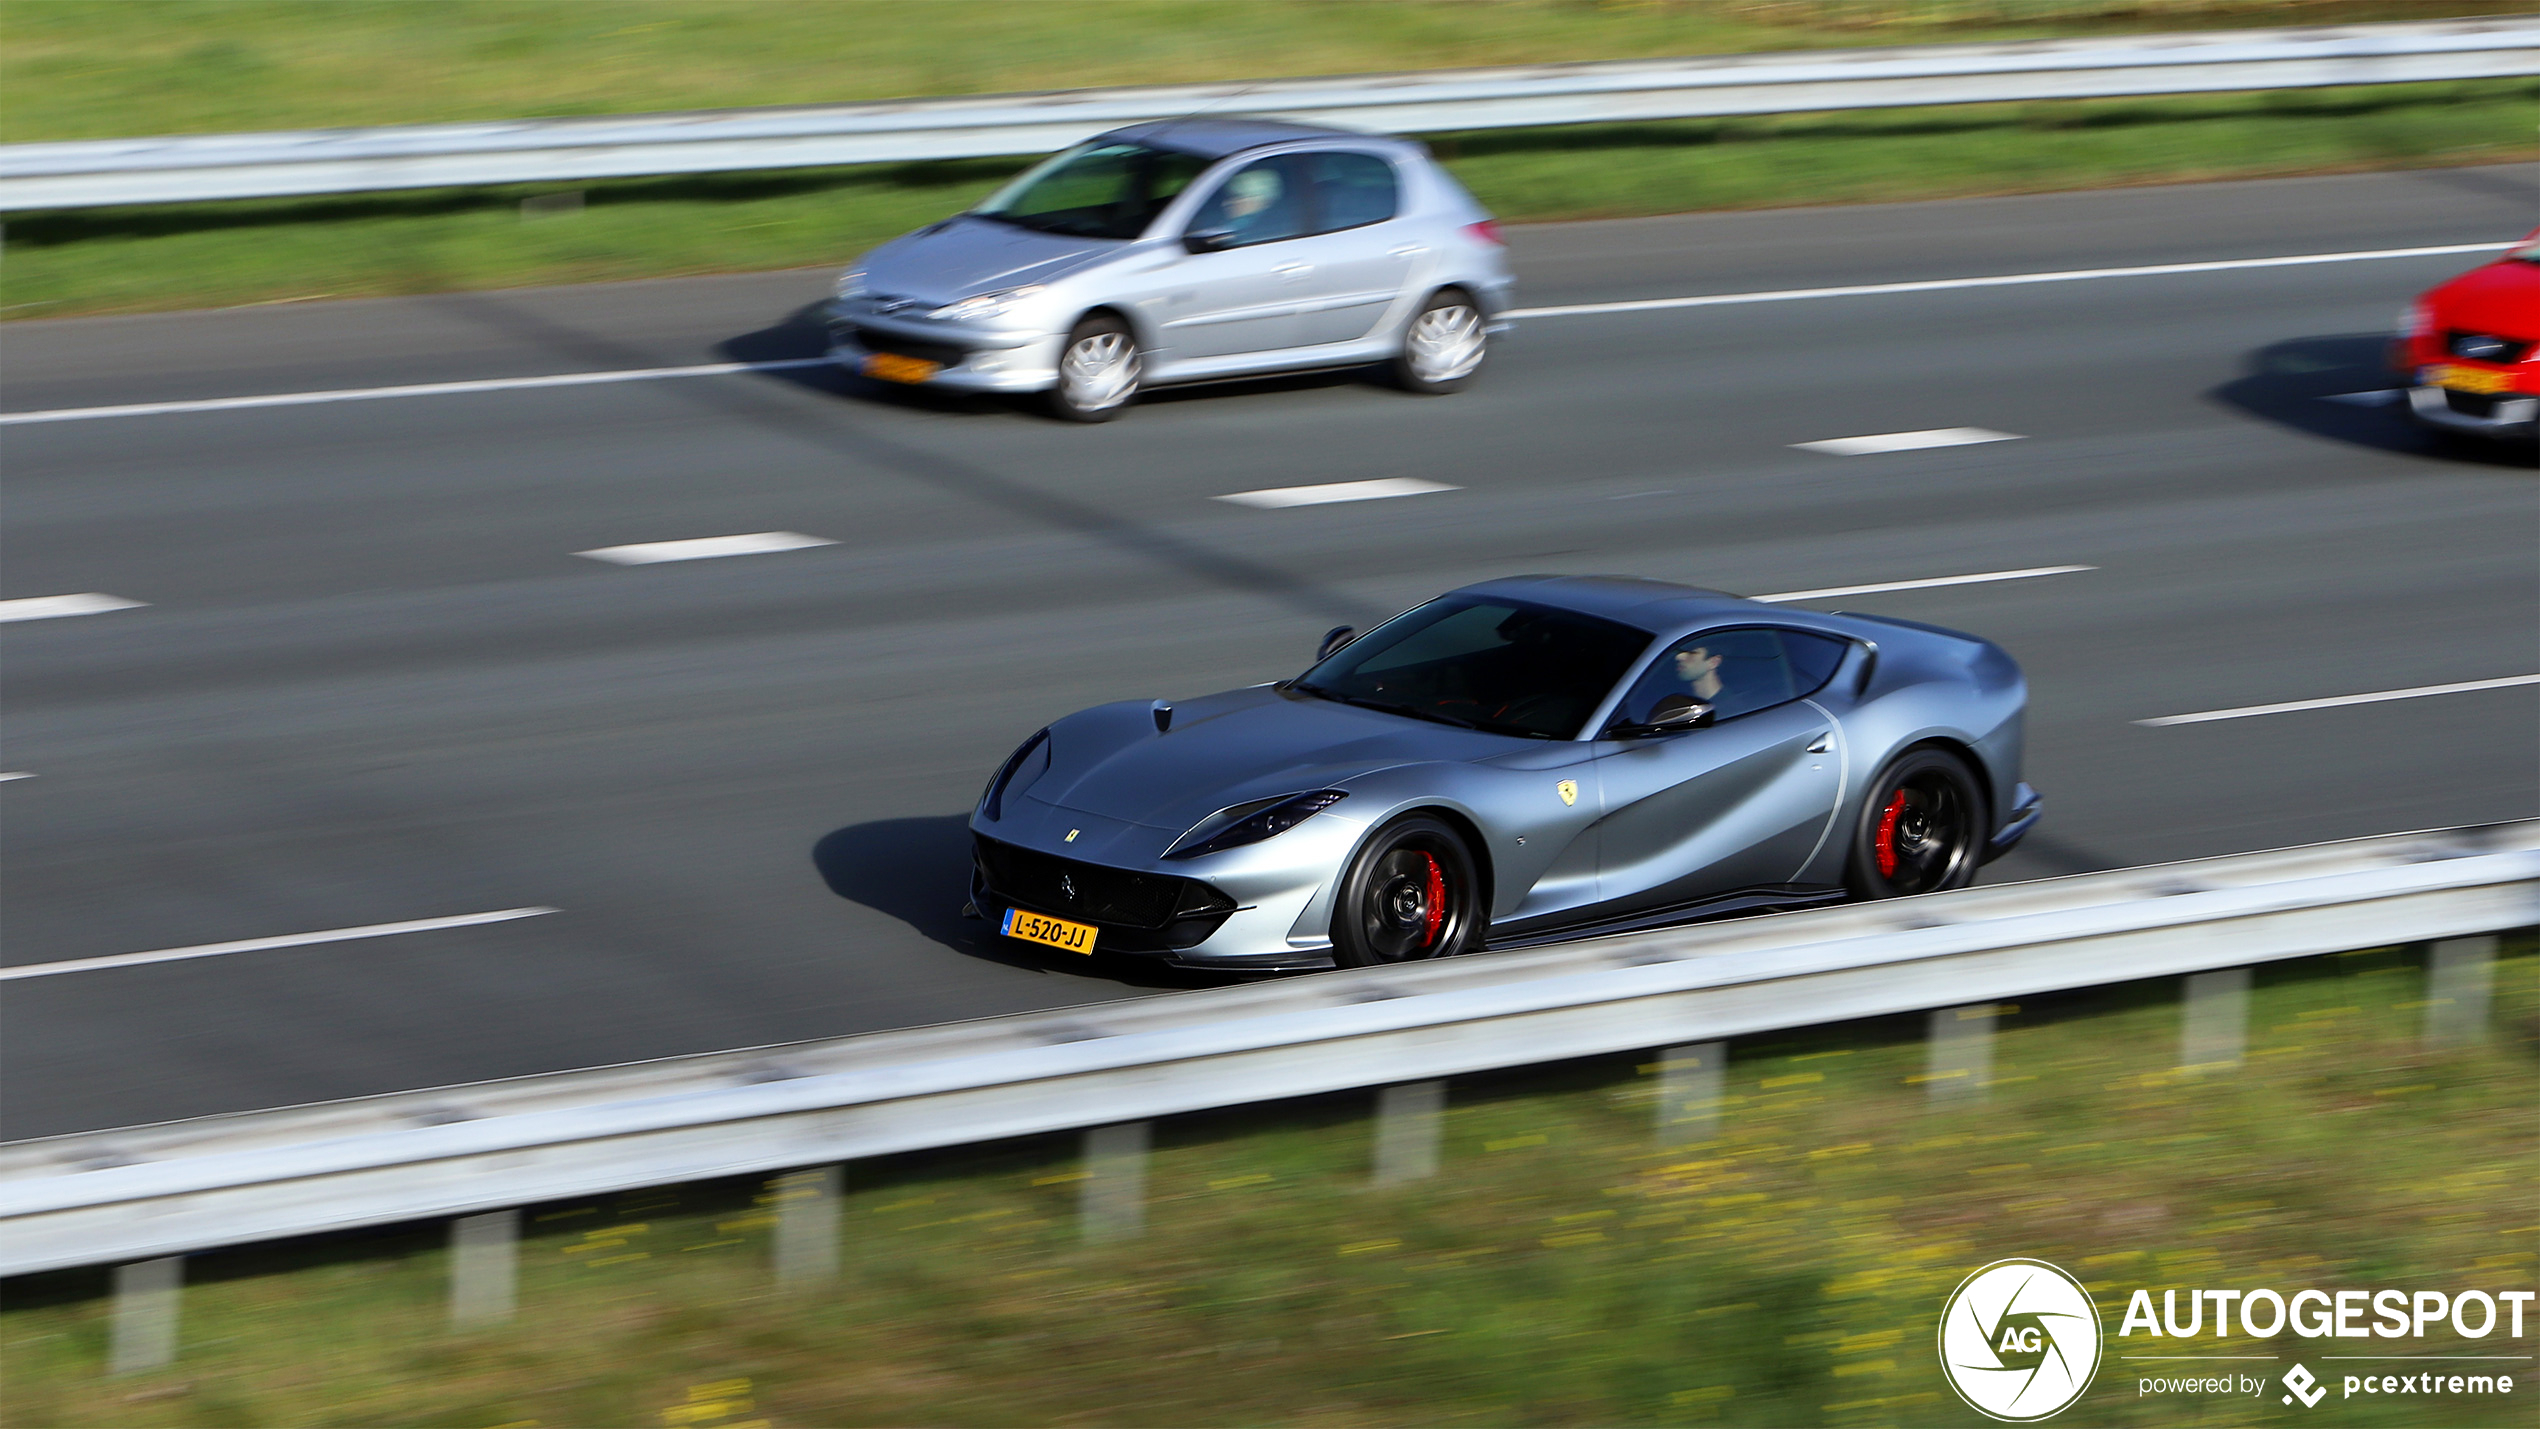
(1187,250)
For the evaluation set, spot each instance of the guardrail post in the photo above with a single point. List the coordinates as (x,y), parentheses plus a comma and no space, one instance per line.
(1958,1059)
(2214,1030)
(1114,1200)
(1407,1121)
(1690,1080)
(145,1314)
(484,1268)
(2460,975)
(807,1224)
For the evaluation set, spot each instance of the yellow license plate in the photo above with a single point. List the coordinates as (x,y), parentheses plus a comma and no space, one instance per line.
(2472,379)
(1057,932)
(891,367)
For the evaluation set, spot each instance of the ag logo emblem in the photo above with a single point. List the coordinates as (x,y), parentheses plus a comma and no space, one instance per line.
(1569,790)
(2019,1340)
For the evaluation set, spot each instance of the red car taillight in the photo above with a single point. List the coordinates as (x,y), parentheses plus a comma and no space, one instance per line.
(1486,231)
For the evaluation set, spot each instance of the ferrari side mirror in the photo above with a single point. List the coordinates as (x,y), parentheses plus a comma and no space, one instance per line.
(1334,639)
(1675,713)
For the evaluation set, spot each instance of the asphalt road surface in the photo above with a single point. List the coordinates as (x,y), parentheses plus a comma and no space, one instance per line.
(371,682)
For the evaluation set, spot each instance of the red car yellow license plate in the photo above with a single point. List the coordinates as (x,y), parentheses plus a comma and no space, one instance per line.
(891,367)
(1057,932)
(2472,379)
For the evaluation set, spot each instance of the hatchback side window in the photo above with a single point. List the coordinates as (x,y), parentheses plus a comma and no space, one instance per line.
(1734,671)
(1813,659)
(1259,203)
(1352,190)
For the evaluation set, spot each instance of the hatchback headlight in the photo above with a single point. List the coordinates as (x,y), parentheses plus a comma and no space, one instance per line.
(850,284)
(983,306)
(1251,823)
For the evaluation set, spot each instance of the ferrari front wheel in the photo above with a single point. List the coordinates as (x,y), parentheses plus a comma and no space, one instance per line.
(1920,831)
(1411,893)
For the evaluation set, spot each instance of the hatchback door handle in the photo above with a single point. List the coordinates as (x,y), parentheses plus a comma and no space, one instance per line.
(1405,250)
(1821,746)
(1293,271)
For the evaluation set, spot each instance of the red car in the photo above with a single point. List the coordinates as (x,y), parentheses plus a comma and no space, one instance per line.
(2470,349)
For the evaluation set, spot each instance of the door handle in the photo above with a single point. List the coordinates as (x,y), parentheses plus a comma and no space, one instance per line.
(1405,250)
(1293,271)
(1822,745)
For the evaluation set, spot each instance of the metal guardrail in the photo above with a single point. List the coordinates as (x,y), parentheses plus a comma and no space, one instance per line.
(192,168)
(128,1195)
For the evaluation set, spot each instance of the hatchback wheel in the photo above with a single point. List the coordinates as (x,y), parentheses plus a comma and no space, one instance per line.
(1411,893)
(1097,371)
(1921,830)
(1443,348)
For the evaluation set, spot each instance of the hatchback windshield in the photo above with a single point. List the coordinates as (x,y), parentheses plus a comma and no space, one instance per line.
(1095,191)
(1495,665)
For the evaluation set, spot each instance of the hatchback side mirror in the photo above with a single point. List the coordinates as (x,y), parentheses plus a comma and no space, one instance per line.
(1208,240)
(1334,639)
(1674,713)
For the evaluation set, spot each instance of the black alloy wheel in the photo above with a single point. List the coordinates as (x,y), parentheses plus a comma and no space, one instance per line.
(1921,830)
(1412,893)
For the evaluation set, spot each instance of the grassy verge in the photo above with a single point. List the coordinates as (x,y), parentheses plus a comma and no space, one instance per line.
(75,69)
(213,255)
(1561,1270)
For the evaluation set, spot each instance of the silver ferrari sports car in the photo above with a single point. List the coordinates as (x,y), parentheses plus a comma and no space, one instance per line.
(1527,759)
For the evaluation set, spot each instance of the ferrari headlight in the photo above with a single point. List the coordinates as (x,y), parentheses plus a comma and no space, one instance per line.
(992,798)
(1251,823)
(983,306)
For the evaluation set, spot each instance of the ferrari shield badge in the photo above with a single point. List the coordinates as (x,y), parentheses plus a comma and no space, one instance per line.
(1569,789)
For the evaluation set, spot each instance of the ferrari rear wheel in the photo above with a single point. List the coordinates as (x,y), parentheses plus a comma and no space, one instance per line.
(1921,830)
(1412,893)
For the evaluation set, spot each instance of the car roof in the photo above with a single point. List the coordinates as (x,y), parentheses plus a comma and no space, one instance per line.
(1657,606)
(1217,136)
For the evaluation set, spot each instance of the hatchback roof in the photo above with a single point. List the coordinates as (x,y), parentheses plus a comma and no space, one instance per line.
(1217,136)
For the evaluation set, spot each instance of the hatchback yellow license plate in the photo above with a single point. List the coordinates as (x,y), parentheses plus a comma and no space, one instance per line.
(2472,379)
(1057,932)
(891,367)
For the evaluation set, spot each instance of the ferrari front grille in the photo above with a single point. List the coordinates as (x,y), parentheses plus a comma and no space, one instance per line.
(1090,891)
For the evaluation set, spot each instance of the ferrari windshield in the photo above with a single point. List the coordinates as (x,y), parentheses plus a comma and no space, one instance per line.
(1095,190)
(1496,665)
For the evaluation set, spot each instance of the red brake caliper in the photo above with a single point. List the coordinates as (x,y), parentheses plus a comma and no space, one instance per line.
(1437,902)
(1887,834)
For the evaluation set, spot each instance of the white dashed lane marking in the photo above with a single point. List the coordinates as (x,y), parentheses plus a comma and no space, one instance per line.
(258,945)
(1927,583)
(2335,701)
(706,548)
(1637,305)
(53,607)
(1273,498)
(18,774)
(1907,441)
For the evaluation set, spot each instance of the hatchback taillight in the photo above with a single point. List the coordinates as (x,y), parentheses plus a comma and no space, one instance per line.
(1486,231)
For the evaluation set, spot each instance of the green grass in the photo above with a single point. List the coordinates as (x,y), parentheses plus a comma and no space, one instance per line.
(1562,1269)
(78,69)
(214,255)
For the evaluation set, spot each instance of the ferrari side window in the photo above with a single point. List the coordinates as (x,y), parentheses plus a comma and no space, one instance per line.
(1813,659)
(1734,671)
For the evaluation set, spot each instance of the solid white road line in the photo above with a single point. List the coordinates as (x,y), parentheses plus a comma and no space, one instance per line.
(258,945)
(1928,583)
(1273,498)
(2004,280)
(1710,300)
(1907,441)
(706,548)
(2334,701)
(420,389)
(53,607)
